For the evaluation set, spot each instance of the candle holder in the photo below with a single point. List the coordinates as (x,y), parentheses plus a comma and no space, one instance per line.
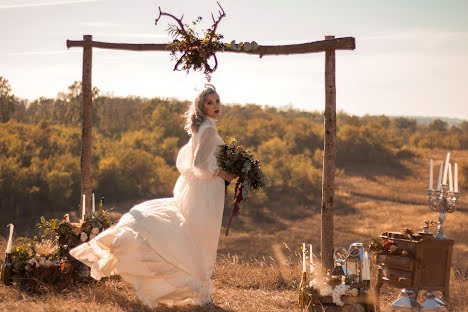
(442,201)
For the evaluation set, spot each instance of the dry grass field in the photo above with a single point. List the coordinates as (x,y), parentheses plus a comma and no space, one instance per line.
(258,266)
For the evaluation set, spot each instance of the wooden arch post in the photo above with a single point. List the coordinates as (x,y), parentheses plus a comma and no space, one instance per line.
(329,46)
(87,135)
(329,159)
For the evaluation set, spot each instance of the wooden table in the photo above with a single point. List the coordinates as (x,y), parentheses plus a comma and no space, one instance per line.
(426,267)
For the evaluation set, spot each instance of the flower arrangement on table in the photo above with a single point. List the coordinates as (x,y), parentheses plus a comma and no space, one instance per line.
(233,158)
(389,247)
(36,264)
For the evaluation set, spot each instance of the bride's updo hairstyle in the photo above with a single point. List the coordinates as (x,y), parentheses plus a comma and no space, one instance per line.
(195,114)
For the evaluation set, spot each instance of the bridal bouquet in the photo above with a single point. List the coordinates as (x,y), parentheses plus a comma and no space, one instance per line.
(234,159)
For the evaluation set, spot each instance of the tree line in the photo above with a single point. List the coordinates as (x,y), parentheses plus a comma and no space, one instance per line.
(136,141)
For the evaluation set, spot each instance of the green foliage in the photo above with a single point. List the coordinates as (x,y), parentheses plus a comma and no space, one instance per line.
(7,100)
(136,141)
(50,227)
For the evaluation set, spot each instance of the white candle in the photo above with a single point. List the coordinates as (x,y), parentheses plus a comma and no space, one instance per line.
(450,177)
(311,260)
(94,204)
(10,238)
(303,257)
(440,176)
(446,168)
(456,178)
(431,176)
(366,267)
(84,207)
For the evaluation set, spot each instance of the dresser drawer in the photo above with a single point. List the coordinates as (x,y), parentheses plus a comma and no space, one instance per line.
(395,262)
(396,276)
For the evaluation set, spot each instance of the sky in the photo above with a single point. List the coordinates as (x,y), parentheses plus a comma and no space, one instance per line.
(411,56)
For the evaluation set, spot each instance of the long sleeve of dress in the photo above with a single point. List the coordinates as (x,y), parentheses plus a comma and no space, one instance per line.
(205,164)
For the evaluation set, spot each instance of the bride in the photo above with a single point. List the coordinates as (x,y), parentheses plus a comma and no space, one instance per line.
(166,248)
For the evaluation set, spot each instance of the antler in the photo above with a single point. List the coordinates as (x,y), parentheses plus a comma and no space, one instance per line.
(179,61)
(216,22)
(179,21)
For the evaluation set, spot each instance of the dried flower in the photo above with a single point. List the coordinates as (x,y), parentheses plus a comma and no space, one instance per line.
(47,248)
(95,230)
(83,236)
(76,230)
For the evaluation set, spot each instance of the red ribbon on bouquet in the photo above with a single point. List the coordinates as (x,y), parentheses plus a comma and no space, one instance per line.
(237,200)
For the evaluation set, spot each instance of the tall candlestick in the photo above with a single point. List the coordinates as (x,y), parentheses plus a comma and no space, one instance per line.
(431,176)
(446,168)
(440,176)
(311,259)
(94,204)
(10,238)
(450,177)
(456,178)
(303,258)
(84,207)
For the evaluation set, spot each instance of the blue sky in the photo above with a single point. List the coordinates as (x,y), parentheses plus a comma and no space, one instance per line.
(410,59)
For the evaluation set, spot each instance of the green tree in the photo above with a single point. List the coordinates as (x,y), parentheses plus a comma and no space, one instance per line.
(7,100)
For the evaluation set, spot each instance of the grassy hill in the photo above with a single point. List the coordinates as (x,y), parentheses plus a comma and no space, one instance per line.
(258,266)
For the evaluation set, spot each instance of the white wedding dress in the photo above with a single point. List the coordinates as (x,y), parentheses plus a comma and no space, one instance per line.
(166,248)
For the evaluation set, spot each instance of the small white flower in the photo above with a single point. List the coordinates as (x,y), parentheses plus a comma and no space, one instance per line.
(95,230)
(83,236)
(353,292)
(339,291)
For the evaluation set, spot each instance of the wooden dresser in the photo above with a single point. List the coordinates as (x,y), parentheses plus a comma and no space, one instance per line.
(426,267)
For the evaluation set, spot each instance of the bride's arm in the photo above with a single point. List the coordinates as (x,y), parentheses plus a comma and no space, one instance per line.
(205,164)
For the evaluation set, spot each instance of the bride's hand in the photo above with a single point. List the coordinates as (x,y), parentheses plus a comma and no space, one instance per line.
(226,175)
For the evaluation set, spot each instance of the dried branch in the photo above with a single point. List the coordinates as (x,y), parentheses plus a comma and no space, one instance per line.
(216,22)
(179,61)
(189,50)
(216,63)
(179,21)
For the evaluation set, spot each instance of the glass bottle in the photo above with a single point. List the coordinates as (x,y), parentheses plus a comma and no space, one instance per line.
(6,269)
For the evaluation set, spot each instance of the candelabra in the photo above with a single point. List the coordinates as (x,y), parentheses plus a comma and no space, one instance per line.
(443,201)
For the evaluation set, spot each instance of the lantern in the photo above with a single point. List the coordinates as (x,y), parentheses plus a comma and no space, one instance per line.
(433,304)
(354,262)
(340,269)
(406,302)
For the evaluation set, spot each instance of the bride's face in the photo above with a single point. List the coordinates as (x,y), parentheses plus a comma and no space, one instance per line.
(212,106)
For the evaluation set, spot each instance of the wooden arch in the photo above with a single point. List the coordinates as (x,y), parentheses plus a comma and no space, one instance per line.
(329,46)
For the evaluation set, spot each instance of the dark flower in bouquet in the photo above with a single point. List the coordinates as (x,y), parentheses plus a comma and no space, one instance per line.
(233,158)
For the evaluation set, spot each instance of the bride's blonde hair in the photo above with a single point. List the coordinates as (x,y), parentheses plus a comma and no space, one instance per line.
(195,114)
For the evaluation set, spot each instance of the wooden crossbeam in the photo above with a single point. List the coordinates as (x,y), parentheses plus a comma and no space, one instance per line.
(345,43)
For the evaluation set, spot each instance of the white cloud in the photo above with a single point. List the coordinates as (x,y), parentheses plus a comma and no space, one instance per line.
(9,4)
